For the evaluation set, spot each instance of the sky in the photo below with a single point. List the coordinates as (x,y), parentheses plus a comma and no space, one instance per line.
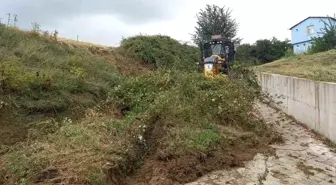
(108,21)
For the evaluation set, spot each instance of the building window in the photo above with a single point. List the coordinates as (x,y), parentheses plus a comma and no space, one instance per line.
(297,29)
(297,45)
(310,30)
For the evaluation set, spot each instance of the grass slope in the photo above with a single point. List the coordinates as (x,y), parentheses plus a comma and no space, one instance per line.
(320,66)
(133,124)
(39,75)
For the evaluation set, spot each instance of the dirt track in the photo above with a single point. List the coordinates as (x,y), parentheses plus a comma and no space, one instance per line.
(301,160)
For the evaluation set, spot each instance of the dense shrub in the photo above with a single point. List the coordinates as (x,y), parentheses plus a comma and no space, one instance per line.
(163,51)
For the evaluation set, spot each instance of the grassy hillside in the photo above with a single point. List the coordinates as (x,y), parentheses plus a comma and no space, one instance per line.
(82,43)
(38,75)
(320,66)
(41,75)
(170,124)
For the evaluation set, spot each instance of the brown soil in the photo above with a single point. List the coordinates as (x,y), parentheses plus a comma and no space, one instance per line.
(11,133)
(171,170)
(12,130)
(188,168)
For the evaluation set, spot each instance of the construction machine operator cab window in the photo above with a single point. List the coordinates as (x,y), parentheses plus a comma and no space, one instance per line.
(217,49)
(213,48)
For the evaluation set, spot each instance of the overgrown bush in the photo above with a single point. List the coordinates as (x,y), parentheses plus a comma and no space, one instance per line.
(163,51)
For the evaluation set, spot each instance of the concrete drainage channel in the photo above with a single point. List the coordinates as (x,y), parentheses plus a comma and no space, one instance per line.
(301,160)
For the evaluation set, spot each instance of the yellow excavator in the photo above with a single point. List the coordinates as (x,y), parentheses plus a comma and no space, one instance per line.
(217,57)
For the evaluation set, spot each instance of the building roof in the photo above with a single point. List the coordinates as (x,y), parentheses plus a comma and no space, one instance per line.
(319,17)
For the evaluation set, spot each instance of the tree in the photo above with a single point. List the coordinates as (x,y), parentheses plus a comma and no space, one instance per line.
(328,40)
(246,52)
(264,50)
(215,20)
(270,50)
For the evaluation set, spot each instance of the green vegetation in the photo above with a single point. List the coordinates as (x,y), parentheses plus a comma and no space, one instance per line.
(264,51)
(165,114)
(163,51)
(39,75)
(215,20)
(74,152)
(328,40)
(320,66)
(184,112)
(190,106)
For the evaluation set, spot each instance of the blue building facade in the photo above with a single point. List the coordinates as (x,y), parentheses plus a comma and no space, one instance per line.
(304,31)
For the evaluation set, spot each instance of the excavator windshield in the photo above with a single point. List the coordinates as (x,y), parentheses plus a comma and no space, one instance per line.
(213,49)
(217,49)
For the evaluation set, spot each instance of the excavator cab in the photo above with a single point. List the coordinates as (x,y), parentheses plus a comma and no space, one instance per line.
(217,56)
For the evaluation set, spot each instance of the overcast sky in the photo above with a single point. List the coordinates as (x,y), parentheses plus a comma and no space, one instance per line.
(107,21)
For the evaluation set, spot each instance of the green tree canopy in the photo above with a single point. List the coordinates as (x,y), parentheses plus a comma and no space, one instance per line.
(215,20)
(270,50)
(263,50)
(246,52)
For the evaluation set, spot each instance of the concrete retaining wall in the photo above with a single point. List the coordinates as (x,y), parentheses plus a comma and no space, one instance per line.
(310,102)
